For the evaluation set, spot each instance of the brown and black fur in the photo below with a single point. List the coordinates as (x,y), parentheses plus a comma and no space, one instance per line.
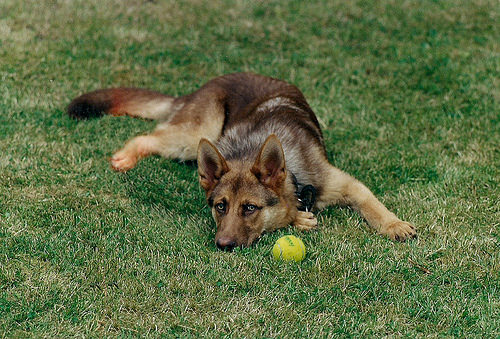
(257,143)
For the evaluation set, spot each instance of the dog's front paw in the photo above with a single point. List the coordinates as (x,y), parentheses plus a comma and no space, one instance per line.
(399,231)
(305,221)
(123,161)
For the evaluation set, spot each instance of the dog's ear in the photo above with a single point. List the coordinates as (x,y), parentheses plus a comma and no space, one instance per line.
(269,167)
(211,165)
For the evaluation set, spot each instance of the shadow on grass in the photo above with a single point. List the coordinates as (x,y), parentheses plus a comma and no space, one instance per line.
(169,184)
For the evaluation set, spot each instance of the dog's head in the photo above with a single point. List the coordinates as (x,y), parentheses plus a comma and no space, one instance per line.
(247,198)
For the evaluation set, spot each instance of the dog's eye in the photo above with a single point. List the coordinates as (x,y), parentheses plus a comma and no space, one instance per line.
(220,207)
(249,209)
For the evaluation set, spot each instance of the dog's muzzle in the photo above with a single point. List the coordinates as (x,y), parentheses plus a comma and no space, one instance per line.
(226,244)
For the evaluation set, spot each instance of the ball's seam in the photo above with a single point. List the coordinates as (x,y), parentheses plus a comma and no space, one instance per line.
(281,251)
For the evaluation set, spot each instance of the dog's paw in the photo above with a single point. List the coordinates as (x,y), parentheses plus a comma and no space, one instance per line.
(400,231)
(123,161)
(305,221)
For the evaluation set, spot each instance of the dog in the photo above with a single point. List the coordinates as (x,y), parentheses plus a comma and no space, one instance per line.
(260,152)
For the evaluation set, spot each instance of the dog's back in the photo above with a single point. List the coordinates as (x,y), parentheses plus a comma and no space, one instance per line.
(257,107)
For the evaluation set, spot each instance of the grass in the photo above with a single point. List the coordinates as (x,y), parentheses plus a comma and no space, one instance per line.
(408,96)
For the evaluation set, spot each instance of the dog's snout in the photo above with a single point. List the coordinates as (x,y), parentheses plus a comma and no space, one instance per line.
(226,243)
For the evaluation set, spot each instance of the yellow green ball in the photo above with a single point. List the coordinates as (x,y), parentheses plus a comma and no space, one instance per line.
(289,248)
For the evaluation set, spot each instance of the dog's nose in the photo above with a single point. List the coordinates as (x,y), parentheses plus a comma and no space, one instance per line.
(226,244)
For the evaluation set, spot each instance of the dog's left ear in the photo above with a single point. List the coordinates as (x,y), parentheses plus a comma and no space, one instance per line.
(211,165)
(269,167)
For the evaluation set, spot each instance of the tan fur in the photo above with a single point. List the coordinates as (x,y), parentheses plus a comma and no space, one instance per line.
(257,143)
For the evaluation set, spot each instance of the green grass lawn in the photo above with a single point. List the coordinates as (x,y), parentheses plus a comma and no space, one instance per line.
(407,93)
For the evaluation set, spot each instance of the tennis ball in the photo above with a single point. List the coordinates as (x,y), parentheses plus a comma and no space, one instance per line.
(289,248)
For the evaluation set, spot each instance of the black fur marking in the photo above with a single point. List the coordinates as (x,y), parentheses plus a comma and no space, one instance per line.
(84,109)
(271,201)
(226,115)
(238,184)
(307,198)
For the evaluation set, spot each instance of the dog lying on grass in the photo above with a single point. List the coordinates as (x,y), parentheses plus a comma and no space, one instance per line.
(260,152)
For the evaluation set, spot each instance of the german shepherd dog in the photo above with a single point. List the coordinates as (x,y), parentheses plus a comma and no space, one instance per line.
(260,152)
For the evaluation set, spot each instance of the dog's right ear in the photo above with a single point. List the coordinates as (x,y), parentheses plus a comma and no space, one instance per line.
(211,165)
(269,167)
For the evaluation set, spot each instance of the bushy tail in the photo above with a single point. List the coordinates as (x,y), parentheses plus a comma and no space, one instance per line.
(122,101)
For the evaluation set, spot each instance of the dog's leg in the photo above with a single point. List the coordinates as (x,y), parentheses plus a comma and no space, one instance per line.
(178,138)
(169,142)
(137,148)
(341,188)
(305,221)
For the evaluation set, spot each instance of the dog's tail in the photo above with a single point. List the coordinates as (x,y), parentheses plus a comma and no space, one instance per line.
(134,102)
